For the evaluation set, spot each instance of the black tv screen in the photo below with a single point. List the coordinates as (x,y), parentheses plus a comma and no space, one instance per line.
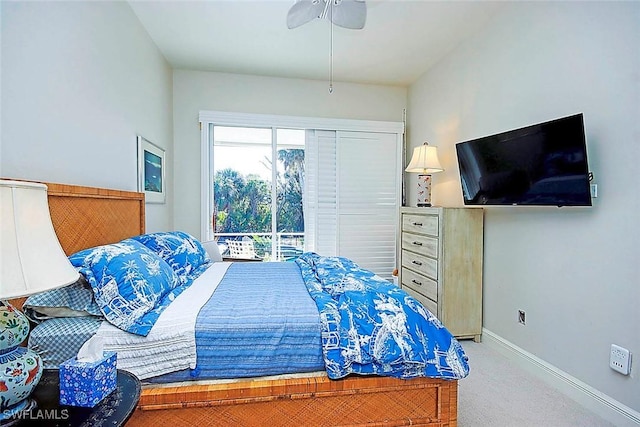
(541,164)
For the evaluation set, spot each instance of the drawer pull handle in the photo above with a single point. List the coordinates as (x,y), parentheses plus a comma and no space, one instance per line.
(416,262)
(416,282)
(417,224)
(417,243)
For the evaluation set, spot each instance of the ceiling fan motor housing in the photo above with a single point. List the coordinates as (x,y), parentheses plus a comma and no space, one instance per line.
(350,14)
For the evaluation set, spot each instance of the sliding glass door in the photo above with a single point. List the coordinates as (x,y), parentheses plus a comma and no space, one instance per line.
(289,208)
(275,186)
(257,192)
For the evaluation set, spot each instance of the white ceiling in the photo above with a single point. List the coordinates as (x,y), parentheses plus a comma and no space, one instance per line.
(400,41)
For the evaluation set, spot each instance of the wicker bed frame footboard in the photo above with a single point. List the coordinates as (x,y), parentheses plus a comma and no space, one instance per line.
(315,401)
(85,217)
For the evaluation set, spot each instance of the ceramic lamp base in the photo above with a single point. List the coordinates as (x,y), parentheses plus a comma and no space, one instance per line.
(20,368)
(424,190)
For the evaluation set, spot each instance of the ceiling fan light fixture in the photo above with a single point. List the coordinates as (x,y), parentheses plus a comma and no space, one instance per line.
(350,14)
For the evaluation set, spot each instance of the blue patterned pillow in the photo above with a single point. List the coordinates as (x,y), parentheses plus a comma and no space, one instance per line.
(75,300)
(183,252)
(131,284)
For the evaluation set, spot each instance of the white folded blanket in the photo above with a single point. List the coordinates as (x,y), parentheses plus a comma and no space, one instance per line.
(171,343)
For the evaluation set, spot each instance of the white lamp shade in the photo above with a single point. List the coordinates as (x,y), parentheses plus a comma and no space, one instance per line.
(31,258)
(424,160)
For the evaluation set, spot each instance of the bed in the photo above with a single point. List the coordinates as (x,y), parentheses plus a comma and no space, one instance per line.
(86,217)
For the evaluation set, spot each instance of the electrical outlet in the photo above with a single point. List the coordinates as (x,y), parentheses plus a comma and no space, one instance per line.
(620,359)
(521,316)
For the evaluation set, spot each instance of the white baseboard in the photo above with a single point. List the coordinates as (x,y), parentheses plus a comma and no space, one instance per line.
(598,402)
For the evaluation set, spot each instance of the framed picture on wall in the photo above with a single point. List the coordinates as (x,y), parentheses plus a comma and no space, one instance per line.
(151,177)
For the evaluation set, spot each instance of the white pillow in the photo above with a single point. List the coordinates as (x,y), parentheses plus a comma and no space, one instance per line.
(212,249)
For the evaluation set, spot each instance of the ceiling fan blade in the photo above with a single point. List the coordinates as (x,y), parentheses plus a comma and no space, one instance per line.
(304,11)
(349,14)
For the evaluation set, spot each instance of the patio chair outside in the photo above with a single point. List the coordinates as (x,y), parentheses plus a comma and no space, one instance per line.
(242,249)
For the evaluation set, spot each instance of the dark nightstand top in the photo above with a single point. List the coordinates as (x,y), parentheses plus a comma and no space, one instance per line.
(113,410)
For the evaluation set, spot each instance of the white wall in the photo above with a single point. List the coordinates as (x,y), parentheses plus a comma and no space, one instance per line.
(575,271)
(195,91)
(79,81)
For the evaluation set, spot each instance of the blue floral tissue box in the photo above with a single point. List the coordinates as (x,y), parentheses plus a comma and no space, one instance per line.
(87,383)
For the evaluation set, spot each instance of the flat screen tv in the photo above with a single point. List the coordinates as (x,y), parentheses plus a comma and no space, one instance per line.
(543,164)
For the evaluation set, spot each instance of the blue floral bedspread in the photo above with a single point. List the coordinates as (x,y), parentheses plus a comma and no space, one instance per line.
(371,326)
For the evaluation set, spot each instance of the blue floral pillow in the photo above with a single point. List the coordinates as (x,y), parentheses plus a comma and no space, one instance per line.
(131,284)
(183,252)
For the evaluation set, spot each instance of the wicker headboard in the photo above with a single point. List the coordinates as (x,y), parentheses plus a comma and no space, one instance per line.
(84,217)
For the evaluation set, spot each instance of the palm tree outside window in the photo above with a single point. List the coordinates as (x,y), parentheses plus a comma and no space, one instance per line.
(254,197)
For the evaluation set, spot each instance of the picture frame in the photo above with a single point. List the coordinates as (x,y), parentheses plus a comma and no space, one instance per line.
(151,171)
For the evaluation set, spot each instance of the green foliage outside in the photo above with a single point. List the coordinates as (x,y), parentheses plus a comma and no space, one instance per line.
(243,203)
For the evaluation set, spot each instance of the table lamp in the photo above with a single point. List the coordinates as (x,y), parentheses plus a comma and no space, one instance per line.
(31,261)
(424,162)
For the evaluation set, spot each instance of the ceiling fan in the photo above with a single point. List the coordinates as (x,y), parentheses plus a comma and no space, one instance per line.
(350,14)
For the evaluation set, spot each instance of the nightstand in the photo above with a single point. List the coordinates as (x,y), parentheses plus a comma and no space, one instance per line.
(113,410)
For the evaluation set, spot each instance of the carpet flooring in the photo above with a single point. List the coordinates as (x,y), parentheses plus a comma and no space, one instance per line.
(499,393)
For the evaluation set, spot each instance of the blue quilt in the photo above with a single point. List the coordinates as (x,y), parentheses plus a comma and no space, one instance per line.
(370,326)
(259,321)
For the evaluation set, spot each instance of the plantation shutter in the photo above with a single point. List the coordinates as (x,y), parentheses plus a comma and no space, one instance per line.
(352,196)
(368,199)
(320,195)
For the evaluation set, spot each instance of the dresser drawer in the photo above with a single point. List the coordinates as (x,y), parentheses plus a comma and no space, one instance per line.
(421,284)
(420,264)
(424,224)
(430,305)
(421,244)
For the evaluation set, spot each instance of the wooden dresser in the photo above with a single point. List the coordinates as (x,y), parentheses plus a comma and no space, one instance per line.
(441,264)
